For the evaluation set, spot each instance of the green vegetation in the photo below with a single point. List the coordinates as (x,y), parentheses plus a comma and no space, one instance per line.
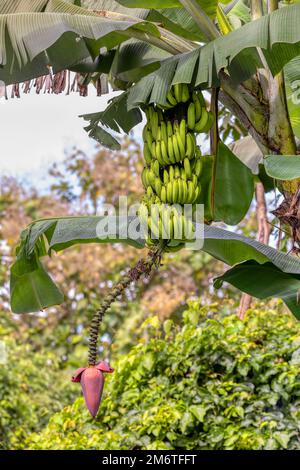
(214,382)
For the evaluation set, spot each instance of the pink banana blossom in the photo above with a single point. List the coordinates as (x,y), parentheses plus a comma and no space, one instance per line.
(92,382)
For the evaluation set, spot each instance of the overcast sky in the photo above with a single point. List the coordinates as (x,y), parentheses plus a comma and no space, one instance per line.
(36,129)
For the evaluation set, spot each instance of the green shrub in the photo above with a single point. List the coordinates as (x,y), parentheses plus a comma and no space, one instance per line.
(32,387)
(215,383)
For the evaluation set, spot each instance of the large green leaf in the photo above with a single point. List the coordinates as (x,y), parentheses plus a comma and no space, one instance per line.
(283,167)
(233,187)
(209,6)
(30,40)
(32,288)
(276,34)
(232,248)
(264,281)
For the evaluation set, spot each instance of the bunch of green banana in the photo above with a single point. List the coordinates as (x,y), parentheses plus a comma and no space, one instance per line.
(166,222)
(173,161)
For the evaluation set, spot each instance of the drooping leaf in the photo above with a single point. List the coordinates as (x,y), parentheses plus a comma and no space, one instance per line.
(233,187)
(264,281)
(31,288)
(232,248)
(283,167)
(116,118)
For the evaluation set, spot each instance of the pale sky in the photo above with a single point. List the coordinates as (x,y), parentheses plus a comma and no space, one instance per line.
(36,129)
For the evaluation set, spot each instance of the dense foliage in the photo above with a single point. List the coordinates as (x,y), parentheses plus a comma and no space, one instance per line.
(213,383)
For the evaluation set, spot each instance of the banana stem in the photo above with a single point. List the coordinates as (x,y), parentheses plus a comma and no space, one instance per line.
(143,267)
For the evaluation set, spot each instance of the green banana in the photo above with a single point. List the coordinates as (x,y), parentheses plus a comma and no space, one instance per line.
(198,106)
(158,186)
(180,145)
(198,167)
(191,192)
(147,154)
(155,167)
(171,98)
(190,146)
(166,176)
(175,148)
(164,133)
(185,95)
(170,192)
(175,191)
(169,129)
(191,116)
(171,173)
(178,92)
(200,125)
(163,194)
(184,191)
(149,191)
(154,124)
(187,167)
(171,150)
(182,130)
(164,152)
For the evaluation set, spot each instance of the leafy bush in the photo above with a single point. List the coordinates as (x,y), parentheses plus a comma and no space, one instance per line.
(32,387)
(215,383)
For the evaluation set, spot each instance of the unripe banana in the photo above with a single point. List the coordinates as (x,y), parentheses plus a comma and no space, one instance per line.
(155,167)
(145,130)
(180,191)
(153,149)
(191,117)
(178,92)
(177,173)
(164,153)
(171,150)
(151,177)
(195,180)
(147,154)
(158,153)
(198,167)
(175,191)
(149,139)
(171,173)
(169,129)
(175,148)
(209,123)
(202,123)
(197,192)
(198,107)
(163,194)
(191,192)
(149,191)
(184,192)
(171,98)
(180,146)
(183,175)
(143,178)
(164,133)
(158,187)
(166,176)
(182,130)
(170,192)
(154,124)
(190,146)
(187,167)
(185,96)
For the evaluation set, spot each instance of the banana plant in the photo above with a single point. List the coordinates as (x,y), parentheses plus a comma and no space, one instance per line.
(162,55)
